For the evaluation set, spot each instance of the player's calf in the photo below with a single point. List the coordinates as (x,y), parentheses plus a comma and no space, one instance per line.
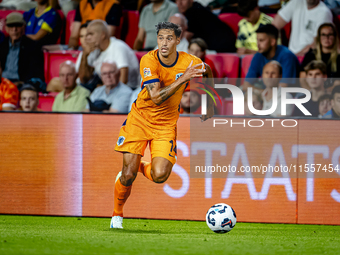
(131,164)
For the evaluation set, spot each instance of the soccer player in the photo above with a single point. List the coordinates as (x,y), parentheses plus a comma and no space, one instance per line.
(153,116)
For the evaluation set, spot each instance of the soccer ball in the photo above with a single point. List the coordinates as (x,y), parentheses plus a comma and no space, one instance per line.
(221,218)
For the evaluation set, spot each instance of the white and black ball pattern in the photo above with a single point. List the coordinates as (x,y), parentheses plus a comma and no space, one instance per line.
(221,218)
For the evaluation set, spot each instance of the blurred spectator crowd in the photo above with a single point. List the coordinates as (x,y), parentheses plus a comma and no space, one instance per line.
(83,55)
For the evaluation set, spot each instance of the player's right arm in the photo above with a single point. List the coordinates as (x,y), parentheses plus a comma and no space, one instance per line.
(159,95)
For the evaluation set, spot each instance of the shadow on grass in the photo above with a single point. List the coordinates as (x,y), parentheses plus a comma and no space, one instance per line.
(135,231)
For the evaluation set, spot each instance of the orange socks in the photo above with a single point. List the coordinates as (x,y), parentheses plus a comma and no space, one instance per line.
(145,169)
(121,194)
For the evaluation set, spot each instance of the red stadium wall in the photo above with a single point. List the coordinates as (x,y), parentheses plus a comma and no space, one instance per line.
(65,164)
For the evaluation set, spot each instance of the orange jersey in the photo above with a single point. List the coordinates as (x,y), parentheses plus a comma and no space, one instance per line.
(153,70)
(9,94)
(100,11)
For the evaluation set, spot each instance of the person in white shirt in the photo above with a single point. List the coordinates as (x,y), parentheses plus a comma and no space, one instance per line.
(271,75)
(306,17)
(106,49)
(86,77)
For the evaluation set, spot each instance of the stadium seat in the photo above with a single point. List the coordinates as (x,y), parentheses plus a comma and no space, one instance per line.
(245,64)
(287,28)
(61,38)
(140,54)
(3,15)
(300,58)
(226,64)
(129,29)
(228,106)
(54,59)
(46,101)
(232,20)
(69,20)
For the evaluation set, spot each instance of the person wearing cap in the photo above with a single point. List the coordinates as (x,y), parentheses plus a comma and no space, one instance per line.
(73,97)
(21,58)
(29,98)
(268,50)
(113,96)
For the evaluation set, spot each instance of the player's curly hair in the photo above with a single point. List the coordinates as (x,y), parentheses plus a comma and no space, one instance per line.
(171,26)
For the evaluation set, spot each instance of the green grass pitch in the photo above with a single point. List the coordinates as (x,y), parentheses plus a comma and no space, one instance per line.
(73,235)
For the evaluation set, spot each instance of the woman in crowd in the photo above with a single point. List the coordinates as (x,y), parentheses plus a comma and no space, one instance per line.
(198,47)
(327,45)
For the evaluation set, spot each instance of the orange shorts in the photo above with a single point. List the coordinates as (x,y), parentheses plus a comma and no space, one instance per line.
(135,135)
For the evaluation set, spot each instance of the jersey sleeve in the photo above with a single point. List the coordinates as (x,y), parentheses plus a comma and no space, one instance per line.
(149,70)
(50,22)
(286,13)
(46,27)
(197,61)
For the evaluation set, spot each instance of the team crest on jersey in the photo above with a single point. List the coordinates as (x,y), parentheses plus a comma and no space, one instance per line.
(121,140)
(147,72)
(40,22)
(178,75)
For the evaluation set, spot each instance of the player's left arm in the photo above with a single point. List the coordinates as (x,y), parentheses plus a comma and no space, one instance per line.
(159,95)
(209,80)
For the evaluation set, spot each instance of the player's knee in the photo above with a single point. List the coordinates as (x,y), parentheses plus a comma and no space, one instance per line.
(160,175)
(127,178)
